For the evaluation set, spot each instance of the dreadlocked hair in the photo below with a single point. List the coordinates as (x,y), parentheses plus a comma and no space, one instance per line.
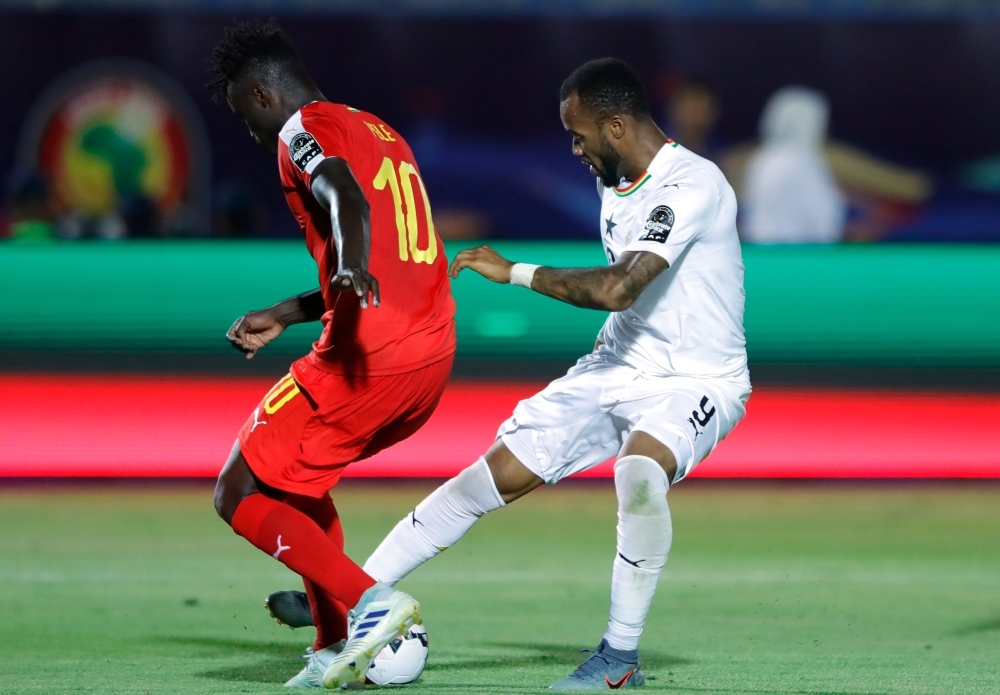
(248,46)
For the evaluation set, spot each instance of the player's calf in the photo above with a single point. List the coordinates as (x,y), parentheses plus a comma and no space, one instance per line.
(645,533)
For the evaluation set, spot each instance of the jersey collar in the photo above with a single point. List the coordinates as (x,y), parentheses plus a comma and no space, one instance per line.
(659,162)
(294,122)
(634,186)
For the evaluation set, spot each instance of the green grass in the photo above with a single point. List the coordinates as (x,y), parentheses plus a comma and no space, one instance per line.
(787,589)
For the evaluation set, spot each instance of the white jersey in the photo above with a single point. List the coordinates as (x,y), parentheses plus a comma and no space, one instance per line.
(689,320)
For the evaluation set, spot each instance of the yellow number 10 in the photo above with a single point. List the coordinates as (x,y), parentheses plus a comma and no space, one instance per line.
(407,225)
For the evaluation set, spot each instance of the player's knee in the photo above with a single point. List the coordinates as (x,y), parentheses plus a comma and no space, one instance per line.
(220,501)
(511,477)
(641,485)
(640,443)
(476,489)
(235,483)
(228,496)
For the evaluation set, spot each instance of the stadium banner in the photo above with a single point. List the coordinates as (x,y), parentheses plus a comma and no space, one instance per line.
(124,149)
(143,426)
(865,304)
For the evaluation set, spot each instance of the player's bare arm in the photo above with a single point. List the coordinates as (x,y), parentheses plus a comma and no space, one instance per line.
(336,189)
(610,288)
(255,329)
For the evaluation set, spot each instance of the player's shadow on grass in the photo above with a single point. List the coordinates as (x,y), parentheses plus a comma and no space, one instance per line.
(276,663)
(979,628)
(541,655)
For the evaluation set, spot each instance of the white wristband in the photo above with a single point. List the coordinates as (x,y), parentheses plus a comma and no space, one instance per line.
(521,274)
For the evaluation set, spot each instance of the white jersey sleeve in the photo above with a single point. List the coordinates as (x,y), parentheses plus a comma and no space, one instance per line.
(673,217)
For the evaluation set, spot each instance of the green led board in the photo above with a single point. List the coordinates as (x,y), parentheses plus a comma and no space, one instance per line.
(864,304)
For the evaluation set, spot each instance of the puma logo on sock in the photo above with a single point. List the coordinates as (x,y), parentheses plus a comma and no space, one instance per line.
(281,548)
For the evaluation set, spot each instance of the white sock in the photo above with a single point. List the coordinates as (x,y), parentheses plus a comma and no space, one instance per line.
(644,536)
(436,524)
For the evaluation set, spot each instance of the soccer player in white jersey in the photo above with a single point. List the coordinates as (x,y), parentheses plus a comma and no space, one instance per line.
(665,383)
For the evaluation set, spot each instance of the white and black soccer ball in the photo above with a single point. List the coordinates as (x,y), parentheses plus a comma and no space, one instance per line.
(402,660)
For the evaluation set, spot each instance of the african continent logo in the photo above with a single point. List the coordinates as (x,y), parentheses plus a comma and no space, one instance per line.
(114,139)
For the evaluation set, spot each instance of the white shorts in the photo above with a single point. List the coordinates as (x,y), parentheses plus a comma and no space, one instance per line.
(582,419)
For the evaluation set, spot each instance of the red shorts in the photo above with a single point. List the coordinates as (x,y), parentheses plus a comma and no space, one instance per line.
(309,428)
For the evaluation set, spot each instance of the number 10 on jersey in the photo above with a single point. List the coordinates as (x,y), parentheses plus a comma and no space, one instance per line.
(406,224)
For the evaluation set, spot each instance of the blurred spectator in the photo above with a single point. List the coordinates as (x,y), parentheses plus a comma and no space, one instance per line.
(238,212)
(880,194)
(458,223)
(791,196)
(432,140)
(30,209)
(692,113)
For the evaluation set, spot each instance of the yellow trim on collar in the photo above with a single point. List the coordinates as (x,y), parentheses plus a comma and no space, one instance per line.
(621,193)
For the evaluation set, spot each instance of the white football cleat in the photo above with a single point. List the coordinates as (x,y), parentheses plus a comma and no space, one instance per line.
(382,615)
(312,675)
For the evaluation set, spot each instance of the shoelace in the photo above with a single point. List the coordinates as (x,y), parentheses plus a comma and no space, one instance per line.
(590,666)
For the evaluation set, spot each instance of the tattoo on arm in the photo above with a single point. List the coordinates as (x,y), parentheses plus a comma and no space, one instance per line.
(613,288)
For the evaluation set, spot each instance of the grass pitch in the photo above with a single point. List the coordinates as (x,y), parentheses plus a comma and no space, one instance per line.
(769,589)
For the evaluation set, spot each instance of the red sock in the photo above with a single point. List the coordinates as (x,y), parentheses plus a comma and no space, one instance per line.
(294,539)
(329,614)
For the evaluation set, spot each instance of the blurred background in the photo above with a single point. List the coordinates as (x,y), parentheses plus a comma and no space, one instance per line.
(138,219)
(108,132)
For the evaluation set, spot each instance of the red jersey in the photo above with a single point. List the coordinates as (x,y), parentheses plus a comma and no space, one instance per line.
(414,326)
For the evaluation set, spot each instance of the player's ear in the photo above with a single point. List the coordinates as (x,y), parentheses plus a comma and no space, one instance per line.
(260,95)
(616,127)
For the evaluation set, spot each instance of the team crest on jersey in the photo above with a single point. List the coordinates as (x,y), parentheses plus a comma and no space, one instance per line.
(659,224)
(303,149)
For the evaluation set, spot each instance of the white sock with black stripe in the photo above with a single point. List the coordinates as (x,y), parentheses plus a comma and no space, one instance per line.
(644,536)
(436,524)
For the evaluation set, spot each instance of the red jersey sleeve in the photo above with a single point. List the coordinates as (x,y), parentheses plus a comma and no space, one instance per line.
(309,139)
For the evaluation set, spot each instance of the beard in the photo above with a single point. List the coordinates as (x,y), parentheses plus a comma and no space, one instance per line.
(608,164)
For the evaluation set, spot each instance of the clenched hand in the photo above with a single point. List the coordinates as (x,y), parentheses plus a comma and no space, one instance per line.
(254,330)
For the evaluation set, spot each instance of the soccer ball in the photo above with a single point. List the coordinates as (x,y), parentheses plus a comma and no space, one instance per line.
(402,660)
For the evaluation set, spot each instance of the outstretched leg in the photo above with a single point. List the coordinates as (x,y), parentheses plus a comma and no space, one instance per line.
(449,512)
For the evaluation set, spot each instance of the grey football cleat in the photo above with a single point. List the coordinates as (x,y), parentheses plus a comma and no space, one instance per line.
(289,608)
(311,676)
(605,669)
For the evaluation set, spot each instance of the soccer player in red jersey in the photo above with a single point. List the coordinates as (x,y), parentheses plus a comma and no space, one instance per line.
(377,371)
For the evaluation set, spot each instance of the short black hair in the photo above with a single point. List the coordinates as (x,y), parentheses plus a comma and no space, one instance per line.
(255,45)
(608,87)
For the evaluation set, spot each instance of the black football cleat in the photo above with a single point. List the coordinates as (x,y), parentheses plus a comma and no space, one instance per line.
(289,608)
